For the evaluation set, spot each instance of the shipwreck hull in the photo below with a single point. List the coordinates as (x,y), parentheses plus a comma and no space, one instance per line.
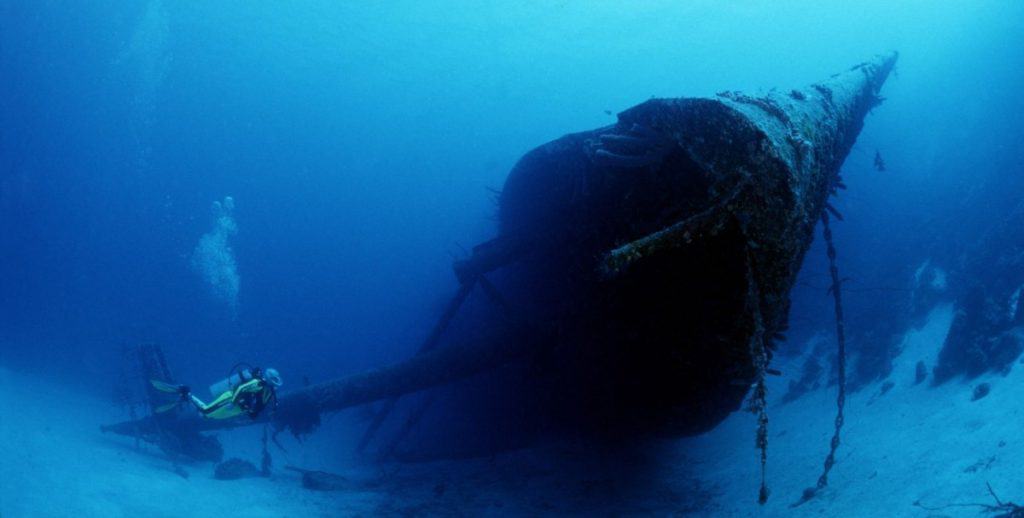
(641,270)
(646,236)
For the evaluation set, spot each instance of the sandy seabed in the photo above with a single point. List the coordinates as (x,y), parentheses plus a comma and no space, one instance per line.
(913,443)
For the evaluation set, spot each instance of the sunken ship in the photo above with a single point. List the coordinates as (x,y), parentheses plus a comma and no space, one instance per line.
(638,281)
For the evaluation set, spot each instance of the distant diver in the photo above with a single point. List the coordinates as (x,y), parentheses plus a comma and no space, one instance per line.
(879,163)
(249,391)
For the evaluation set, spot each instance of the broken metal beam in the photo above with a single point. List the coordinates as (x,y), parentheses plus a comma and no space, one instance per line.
(451,363)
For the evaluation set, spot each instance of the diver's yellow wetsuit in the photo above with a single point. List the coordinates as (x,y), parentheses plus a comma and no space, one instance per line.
(249,398)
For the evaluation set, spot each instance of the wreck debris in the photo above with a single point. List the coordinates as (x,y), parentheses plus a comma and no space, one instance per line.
(879,163)
(980,391)
(1005,509)
(323,481)
(175,438)
(886,387)
(235,468)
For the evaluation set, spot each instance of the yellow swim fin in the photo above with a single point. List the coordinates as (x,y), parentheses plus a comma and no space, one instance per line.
(169,406)
(165,387)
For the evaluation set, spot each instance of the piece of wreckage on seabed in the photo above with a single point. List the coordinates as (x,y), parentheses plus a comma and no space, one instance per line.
(177,438)
(640,277)
(136,394)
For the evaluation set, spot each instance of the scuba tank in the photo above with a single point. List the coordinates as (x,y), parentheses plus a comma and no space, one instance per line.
(232,381)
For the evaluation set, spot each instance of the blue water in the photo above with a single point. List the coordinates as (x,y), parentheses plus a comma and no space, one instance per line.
(360,142)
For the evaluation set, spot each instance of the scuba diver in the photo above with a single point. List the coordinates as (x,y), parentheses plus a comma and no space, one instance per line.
(248,392)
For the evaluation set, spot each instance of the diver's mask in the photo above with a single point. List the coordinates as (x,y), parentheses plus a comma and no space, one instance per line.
(272,376)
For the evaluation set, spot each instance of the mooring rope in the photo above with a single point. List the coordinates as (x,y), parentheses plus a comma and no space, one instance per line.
(840,363)
(759,353)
